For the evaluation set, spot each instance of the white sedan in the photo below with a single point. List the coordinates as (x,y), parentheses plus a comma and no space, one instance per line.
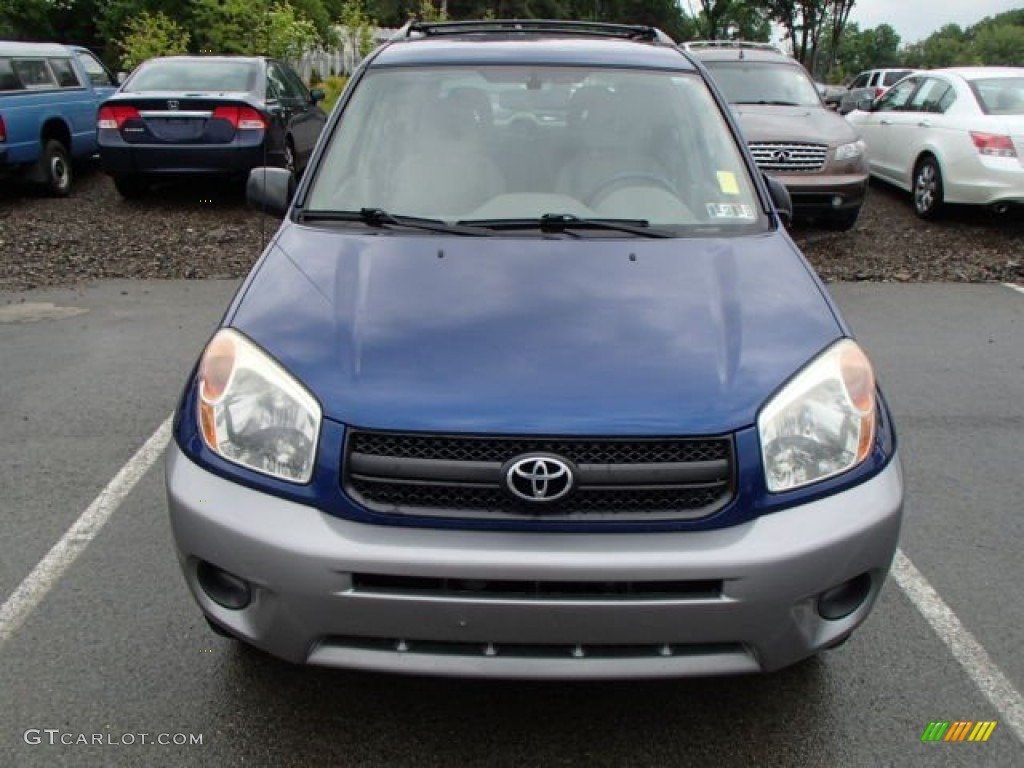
(950,136)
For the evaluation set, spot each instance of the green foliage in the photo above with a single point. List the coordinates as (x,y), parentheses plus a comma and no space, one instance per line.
(148,35)
(333,87)
(430,12)
(358,26)
(284,34)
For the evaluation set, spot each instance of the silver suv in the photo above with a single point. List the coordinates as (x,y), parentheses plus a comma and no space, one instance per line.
(791,133)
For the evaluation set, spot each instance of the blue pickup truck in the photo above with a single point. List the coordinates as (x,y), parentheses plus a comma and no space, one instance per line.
(49,96)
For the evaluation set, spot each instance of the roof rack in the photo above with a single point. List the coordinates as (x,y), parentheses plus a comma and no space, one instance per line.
(533,26)
(698,44)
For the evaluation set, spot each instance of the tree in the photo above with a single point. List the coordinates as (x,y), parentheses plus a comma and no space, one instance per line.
(286,34)
(148,35)
(730,20)
(358,27)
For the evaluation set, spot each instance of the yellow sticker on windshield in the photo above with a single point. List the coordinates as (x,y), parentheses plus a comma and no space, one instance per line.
(727,182)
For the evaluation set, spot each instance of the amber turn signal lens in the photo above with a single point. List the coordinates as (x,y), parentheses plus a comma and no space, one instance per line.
(216,368)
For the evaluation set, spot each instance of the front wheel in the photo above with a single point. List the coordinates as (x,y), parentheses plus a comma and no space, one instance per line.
(56,168)
(927,188)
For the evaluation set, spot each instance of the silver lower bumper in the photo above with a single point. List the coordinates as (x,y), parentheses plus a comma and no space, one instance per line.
(307,609)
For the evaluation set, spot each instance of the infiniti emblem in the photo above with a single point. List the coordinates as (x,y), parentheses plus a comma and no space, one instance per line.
(172,105)
(539,478)
(780,156)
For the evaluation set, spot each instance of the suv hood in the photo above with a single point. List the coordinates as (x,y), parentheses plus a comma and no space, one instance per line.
(541,336)
(816,125)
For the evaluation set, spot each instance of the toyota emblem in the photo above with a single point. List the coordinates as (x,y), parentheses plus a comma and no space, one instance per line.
(173,105)
(539,478)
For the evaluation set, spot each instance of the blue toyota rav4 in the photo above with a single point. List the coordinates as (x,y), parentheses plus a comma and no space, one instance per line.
(532,382)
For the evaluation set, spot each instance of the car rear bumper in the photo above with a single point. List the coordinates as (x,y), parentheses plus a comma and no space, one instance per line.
(132,159)
(333,592)
(981,180)
(827,192)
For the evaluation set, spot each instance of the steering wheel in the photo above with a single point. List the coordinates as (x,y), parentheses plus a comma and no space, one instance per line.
(606,187)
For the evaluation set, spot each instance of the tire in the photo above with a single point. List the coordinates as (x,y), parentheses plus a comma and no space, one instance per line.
(289,161)
(927,189)
(131,187)
(56,168)
(842,221)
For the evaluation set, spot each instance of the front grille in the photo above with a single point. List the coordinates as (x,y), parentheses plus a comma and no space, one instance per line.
(789,158)
(482,589)
(616,479)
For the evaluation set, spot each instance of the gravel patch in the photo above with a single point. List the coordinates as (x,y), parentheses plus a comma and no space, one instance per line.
(205,231)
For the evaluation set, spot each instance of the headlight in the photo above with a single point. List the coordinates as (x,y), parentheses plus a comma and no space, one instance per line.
(850,151)
(822,423)
(253,413)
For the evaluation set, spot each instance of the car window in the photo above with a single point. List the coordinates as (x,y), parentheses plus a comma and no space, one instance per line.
(894,76)
(282,86)
(946,100)
(1000,96)
(34,73)
(65,73)
(758,82)
(876,78)
(485,143)
(297,86)
(929,95)
(216,75)
(897,97)
(861,81)
(97,73)
(8,80)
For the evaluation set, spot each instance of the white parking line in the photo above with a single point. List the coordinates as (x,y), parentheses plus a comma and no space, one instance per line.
(968,652)
(1014,287)
(48,571)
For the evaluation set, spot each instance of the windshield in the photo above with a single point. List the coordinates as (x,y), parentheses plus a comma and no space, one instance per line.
(191,75)
(1000,95)
(759,82)
(490,144)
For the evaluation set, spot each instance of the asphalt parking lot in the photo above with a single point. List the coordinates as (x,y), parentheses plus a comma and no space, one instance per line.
(110,644)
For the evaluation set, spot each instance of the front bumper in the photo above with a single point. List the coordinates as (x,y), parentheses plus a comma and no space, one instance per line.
(306,606)
(818,194)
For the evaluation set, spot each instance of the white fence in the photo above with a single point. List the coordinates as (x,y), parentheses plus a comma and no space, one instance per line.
(339,61)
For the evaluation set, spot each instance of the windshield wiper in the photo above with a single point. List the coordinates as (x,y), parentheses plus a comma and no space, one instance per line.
(563,222)
(378,217)
(772,103)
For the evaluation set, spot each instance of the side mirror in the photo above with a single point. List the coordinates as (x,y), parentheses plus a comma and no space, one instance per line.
(121,77)
(781,199)
(865,105)
(270,190)
(318,95)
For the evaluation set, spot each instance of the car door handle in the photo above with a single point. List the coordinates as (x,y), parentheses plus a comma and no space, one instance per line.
(883,121)
(924,124)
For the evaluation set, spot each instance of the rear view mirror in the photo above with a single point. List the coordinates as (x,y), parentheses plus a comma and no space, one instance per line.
(270,190)
(865,105)
(317,95)
(781,199)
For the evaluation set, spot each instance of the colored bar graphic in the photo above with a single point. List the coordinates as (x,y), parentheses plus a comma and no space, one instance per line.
(959,730)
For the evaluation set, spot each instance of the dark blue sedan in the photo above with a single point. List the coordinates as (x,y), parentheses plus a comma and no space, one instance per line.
(222,116)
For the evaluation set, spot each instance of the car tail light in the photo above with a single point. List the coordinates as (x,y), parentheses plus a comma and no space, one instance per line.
(242,118)
(879,90)
(3,129)
(116,116)
(993,145)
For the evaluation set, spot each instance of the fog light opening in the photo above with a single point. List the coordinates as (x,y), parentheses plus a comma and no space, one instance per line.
(222,587)
(837,201)
(841,601)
